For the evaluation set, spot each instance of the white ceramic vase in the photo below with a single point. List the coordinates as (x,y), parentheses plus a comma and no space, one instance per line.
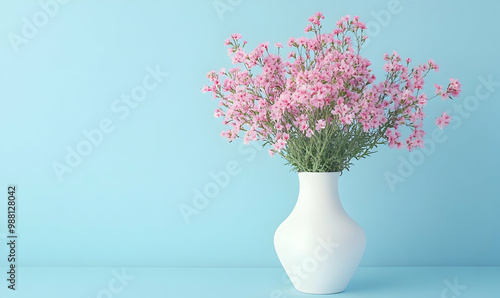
(319,245)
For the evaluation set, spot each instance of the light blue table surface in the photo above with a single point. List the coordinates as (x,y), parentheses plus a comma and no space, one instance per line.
(386,282)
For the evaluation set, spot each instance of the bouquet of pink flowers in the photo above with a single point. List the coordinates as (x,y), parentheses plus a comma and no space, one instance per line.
(321,106)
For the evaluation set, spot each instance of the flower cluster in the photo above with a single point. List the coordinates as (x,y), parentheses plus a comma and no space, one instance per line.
(321,106)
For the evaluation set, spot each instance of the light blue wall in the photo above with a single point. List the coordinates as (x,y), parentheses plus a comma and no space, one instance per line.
(120,205)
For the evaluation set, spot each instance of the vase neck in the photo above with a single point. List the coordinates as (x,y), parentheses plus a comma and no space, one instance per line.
(319,190)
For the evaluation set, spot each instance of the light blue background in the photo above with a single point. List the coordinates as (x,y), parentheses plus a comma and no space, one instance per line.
(120,206)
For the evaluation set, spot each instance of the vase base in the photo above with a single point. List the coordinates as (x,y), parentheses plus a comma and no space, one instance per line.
(320,292)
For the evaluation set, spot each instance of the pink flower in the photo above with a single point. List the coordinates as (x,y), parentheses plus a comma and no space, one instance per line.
(433,65)
(206,89)
(278,97)
(315,19)
(279,145)
(303,126)
(443,120)
(346,119)
(454,87)
(439,89)
(319,15)
(320,124)
(303,118)
(422,99)
(218,113)
(239,56)
(236,36)
(357,24)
